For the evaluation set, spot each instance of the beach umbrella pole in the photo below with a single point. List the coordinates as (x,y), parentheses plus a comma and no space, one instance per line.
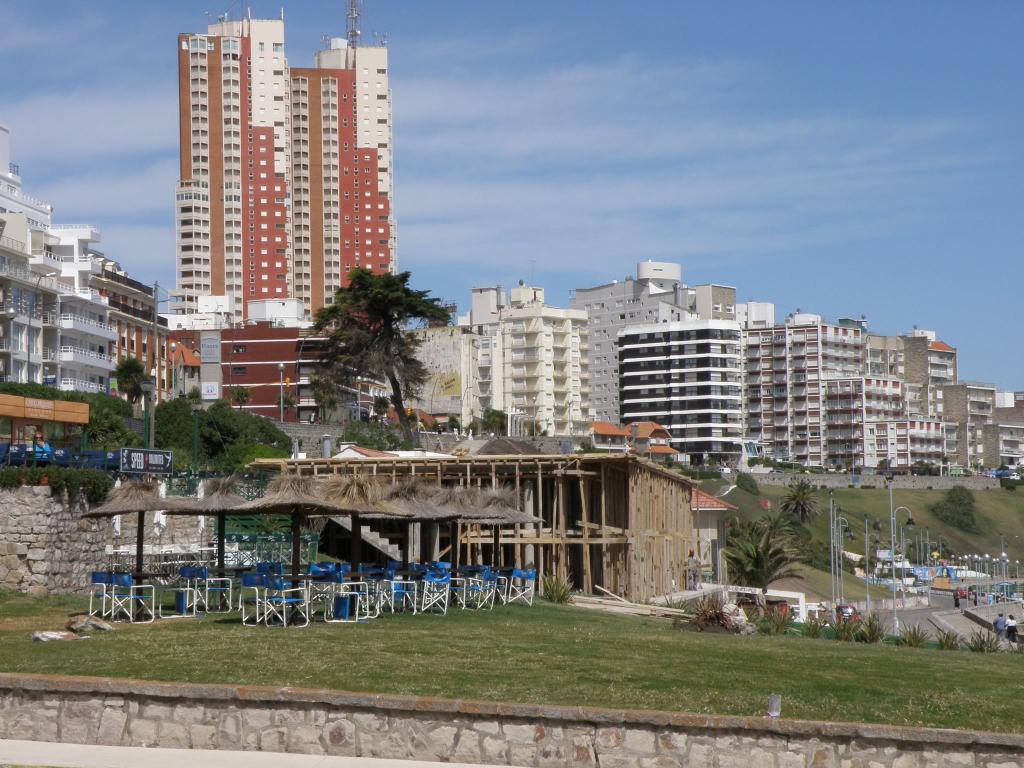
(296,540)
(140,533)
(222,523)
(356,548)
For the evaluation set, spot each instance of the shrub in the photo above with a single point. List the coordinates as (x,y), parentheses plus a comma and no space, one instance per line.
(845,631)
(913,636)
(813,628)
(709,611)
(775,622)
(747,483)
(982,641)
(872,630)
(948,641)
(556,590)
(93,483)
(957,508)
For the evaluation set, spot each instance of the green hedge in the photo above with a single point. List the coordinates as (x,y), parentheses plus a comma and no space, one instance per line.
(93,483)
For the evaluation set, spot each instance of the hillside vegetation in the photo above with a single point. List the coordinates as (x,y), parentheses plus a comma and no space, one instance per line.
(997,512)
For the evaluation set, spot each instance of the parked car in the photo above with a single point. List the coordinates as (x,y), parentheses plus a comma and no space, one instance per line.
(846,612)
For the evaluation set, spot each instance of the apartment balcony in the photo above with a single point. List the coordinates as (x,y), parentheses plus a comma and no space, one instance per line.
(79,385)
(85,325)
(70,293)
(44,262)
(86,357)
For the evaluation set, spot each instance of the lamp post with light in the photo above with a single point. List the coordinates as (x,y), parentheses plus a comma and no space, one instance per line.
(280,374)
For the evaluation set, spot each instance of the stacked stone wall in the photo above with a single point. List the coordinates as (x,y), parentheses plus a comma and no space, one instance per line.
(46,546)
(135,713)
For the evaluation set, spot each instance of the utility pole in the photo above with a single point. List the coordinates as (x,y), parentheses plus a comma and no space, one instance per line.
(892,559)
(832,547)
(156,364)
(867,575)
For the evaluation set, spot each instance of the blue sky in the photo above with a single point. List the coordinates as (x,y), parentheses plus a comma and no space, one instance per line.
(841,158)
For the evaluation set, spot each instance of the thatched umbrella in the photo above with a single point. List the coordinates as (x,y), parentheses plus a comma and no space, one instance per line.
(495,507)
(218,499)
(135,497)
(362,496)
(303,497)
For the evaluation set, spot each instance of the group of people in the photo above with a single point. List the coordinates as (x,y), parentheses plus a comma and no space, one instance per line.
(1006,628)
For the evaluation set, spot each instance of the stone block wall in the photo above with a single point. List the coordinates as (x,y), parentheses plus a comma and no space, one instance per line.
(46,546)
(135,713)
(908,482)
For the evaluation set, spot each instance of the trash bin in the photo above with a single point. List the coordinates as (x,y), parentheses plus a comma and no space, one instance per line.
(180,602)
(343,605)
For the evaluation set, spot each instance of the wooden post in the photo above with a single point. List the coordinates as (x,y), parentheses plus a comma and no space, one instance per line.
(356,545)
(588,581)
(222,524)
(406,536)
(496,555)
(605,548)
(140,532)
(296,537)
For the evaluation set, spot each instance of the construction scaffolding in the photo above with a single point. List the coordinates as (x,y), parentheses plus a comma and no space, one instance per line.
(615,521)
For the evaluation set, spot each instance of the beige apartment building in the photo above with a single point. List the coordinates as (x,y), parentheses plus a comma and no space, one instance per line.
(531,360)
(967,408)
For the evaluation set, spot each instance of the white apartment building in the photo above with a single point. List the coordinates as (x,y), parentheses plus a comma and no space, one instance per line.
(785,368)
(902,443)
(531,360)
(850,405)
(656,295)
(685,375)
(54,323)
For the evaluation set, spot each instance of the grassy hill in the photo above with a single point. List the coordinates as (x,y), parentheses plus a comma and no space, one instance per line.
(998,512)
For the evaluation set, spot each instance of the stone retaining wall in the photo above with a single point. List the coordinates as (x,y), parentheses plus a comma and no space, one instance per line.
(135,713)
(908,482)
(46,546)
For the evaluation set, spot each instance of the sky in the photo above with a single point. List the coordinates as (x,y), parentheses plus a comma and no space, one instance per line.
(841,158)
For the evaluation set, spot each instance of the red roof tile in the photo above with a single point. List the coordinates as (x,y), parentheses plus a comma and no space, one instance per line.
(705,502)
(607,429)
(665,450)
(644,429)
(941,346)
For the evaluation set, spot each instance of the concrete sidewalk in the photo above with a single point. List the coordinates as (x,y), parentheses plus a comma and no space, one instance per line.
(43,753)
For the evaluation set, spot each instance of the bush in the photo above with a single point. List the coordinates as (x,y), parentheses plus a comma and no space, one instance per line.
(957,508)
(709,611)
(747,483)
(872,630)
(982,641)
(845,630)
(775,622)
(948,641)
(913,636)
(813,628)
(556,590)
(93,483)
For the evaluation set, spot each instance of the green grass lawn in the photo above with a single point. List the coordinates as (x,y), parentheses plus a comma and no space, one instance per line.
(547,654)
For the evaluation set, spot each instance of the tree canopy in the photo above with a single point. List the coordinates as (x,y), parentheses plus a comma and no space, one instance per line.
(130,374)
(368,333)
(801,502)
(761,551)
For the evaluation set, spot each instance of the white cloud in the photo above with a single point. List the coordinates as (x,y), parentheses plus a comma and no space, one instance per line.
(584,167)
(90,125)
(127,189)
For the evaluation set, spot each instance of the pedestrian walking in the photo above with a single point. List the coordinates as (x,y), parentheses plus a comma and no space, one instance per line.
(999,625)
(1011,629)
(956,600)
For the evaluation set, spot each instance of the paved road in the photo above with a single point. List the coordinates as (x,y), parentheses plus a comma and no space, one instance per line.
(39,753)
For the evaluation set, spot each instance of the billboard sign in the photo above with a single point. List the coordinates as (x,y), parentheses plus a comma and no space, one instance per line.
(145,461)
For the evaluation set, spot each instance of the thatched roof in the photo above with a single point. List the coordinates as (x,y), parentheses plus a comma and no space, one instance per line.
(291,494)
(218,496)
(135,496)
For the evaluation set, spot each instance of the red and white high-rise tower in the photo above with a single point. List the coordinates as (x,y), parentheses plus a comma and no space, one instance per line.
(286,180)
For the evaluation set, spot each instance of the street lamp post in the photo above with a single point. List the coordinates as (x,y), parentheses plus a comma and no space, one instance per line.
(280,374)
(148,389)
(196,409)
(892,560)
(867,575)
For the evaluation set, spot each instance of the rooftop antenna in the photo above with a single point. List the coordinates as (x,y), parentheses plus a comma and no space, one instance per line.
(353,21)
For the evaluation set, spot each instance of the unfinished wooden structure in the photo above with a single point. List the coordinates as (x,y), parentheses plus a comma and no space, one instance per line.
(615,521)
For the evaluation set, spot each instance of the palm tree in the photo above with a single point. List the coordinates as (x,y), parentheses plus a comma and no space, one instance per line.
(325,395)
(381,406)
(368,333)
(240,396)
(130,374)
(761,552)
(801,503)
